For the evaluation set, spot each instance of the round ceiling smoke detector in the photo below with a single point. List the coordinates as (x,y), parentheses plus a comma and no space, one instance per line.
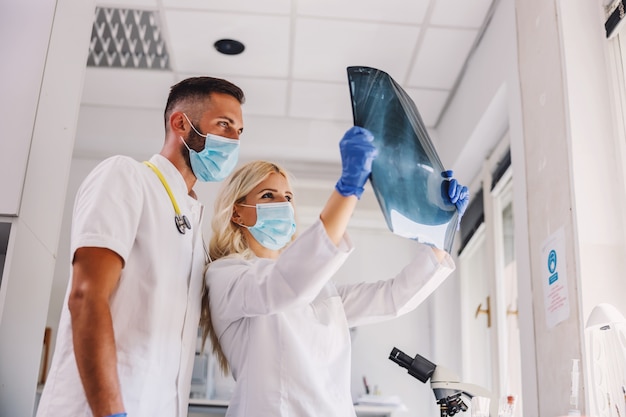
(229,46)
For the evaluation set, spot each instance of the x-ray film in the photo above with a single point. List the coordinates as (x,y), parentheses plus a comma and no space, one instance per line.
(407,174)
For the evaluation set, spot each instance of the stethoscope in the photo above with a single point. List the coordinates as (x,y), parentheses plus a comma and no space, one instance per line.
(181,221)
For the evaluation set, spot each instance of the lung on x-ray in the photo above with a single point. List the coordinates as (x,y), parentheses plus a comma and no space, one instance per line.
(407,176)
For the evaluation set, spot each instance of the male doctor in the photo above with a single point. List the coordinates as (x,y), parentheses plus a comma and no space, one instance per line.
(127,334)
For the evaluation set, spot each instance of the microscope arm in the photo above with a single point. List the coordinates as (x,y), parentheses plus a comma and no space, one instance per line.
(446,383)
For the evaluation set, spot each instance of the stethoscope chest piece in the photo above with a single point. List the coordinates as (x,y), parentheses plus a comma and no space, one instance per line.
(182,223)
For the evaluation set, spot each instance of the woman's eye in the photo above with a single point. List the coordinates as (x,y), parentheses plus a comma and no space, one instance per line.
(267,195)
(288,198)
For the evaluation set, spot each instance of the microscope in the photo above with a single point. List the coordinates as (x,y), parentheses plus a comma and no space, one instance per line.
(449,391)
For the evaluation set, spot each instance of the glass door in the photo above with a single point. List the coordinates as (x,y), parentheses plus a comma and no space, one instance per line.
(506,284)
(491,348)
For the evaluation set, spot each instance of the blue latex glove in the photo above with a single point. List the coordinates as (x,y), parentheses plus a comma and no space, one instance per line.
(357,154)
(456,194)
(118,415)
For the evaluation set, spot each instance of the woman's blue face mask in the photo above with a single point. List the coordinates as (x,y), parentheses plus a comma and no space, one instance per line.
(218,158)
(275,224)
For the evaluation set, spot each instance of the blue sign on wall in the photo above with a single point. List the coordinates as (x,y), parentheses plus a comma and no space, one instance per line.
(554,276)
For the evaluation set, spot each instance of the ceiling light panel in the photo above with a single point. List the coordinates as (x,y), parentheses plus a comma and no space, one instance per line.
(127,38)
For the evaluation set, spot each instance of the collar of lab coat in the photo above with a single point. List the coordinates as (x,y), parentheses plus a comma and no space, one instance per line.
(173,177)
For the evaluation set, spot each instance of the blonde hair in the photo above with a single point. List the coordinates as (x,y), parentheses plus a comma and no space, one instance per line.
(227,238)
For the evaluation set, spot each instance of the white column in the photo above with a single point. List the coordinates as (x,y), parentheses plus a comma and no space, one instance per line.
(572,178)
(44,45)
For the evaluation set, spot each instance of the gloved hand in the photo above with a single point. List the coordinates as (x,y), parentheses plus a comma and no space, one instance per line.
(456,194)
(357,154)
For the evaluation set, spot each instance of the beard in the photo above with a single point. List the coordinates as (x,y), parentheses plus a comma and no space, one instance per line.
(195,142)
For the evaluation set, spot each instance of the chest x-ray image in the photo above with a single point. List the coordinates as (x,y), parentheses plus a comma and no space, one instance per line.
(407,176)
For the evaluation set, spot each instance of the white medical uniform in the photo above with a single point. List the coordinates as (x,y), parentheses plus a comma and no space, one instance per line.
(285,328)
(123,206)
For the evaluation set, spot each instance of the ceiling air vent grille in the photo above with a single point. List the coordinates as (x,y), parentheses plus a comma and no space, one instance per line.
(127,38)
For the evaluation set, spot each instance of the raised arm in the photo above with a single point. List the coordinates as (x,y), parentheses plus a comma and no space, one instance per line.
(357,154)
(371,302)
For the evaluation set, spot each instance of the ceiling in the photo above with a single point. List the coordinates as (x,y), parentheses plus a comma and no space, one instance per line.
(293,68)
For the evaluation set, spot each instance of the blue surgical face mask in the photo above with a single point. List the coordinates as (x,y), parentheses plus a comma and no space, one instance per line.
(216,160)
(275,224)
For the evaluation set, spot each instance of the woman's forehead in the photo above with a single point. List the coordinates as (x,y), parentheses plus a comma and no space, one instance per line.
(275,180)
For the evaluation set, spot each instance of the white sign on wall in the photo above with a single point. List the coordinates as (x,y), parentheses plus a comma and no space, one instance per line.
(554,277)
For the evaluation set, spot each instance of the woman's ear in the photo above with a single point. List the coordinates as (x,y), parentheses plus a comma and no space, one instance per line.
(235,218)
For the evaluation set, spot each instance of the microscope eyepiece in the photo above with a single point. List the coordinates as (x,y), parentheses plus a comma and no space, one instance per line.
(419,367)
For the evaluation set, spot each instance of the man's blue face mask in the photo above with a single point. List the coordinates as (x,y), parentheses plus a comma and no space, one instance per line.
(275,224)
(218,158)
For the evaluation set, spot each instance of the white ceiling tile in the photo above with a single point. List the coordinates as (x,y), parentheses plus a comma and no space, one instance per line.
(314,100)
(324,48)
(127,87)
(253,6)
(130,4)
(264,97)
(468,14)
(287,138)
(398,11)
(441,57)
(429,104)
(192,35)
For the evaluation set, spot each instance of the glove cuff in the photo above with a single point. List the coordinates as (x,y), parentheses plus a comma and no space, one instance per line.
(348,190)
(119,415)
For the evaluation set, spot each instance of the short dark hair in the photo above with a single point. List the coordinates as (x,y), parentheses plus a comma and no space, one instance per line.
(199,88)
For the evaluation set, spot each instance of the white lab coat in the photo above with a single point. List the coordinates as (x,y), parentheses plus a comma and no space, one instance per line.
(284,327)
(123,206)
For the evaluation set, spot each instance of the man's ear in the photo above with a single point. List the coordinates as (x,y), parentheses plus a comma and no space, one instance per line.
(177,124)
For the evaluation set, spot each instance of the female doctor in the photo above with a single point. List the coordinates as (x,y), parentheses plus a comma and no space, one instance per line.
(273,315)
